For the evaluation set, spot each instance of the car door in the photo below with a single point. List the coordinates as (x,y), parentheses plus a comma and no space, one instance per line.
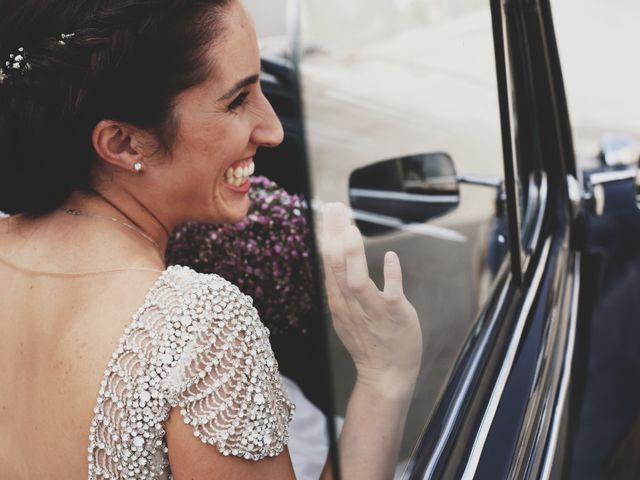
(512,383)
(487,77)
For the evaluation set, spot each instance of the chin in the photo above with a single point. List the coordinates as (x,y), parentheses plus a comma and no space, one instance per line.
(224,210)
(236,218)
(218,217)
(235,215)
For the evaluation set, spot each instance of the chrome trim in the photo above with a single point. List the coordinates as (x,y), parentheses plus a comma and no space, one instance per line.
(542,207)
(600,178)
(454,410)
(541,194)
(507,365)
(515,232)
(407,197)
(598,199)
(538,416)
(419,228)
(531,208)
(566,375)
(576,195)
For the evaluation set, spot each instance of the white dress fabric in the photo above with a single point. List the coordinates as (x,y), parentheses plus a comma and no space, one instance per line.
(309,434)
(197,344)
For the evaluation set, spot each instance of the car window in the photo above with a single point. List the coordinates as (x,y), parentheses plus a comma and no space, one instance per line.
(529,183)
(403,123)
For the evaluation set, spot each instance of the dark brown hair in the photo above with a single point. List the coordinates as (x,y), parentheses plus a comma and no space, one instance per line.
(127,61)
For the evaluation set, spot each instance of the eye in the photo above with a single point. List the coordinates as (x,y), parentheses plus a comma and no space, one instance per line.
(238,101)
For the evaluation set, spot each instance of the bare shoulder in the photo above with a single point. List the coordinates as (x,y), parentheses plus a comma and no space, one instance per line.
(193,459)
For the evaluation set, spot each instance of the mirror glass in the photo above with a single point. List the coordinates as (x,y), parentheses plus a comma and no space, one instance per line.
(411,189)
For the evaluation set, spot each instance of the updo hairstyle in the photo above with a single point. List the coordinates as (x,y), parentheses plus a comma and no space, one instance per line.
(126,60)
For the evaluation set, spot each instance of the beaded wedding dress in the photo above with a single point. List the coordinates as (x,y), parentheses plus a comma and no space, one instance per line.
(197,344)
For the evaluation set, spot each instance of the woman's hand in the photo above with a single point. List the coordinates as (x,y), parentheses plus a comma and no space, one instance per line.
(380,329)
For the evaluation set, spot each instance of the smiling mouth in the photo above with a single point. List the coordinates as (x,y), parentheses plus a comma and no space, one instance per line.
(240,172)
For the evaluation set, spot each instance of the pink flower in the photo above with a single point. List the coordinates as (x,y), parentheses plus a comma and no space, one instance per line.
(267,254)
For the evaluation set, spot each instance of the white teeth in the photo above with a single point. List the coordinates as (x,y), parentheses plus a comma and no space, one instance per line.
(239,175)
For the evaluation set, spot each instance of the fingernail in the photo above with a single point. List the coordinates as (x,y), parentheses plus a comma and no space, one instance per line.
(390,257)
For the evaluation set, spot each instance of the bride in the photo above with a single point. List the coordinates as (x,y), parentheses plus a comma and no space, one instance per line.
(120,119)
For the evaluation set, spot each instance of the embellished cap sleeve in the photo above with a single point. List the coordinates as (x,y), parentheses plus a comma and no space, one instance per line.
(224,377)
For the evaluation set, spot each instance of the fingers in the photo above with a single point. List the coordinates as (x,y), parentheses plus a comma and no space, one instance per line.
(336,218)
(358,280)
(337,302)
(393,291)
(345,262)
(355,257)
(329,239)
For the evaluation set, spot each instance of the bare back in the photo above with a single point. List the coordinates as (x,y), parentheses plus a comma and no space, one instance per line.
(94,365)
(57,333)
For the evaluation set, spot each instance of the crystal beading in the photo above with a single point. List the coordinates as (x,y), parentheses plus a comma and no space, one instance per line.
(195,344)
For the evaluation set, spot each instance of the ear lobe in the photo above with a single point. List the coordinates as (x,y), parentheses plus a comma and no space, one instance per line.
(114,143)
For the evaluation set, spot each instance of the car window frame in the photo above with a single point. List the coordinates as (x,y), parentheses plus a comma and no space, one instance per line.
(447,452)
(436,453)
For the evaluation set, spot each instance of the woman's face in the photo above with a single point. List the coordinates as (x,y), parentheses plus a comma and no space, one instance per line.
(221,124)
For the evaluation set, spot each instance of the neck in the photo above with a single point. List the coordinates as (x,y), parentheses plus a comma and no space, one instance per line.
(124,208)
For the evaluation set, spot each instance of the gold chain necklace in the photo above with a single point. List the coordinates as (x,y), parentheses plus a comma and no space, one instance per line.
(78,213)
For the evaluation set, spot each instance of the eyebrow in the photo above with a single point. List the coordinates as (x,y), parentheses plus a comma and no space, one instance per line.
(240,85)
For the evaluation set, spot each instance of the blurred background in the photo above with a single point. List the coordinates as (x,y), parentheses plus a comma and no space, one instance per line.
(598,42)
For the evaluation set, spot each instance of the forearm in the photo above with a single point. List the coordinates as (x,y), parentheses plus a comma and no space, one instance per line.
(372,432)
(382,333)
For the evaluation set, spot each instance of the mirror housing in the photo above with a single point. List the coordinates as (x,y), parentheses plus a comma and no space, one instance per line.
(405,190)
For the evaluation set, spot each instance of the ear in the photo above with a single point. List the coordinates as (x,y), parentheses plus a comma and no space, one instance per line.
(119,144)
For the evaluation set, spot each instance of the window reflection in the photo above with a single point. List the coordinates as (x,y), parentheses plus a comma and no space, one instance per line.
(386,84)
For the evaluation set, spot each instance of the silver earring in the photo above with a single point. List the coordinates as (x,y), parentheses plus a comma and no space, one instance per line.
(137,167)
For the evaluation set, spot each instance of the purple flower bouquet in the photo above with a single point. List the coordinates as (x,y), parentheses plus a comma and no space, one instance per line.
(266,255)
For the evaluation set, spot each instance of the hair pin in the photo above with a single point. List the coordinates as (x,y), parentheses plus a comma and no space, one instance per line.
(15,62)
(64,37)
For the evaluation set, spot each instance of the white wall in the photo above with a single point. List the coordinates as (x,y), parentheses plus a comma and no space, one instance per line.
(269,15)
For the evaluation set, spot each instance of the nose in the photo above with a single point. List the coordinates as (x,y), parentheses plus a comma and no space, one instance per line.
(268,131)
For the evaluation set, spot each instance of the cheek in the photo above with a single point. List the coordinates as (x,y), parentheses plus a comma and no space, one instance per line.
(203,157)
(204,153)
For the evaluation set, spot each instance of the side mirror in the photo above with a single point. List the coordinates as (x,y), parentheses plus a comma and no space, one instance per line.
(413,189)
